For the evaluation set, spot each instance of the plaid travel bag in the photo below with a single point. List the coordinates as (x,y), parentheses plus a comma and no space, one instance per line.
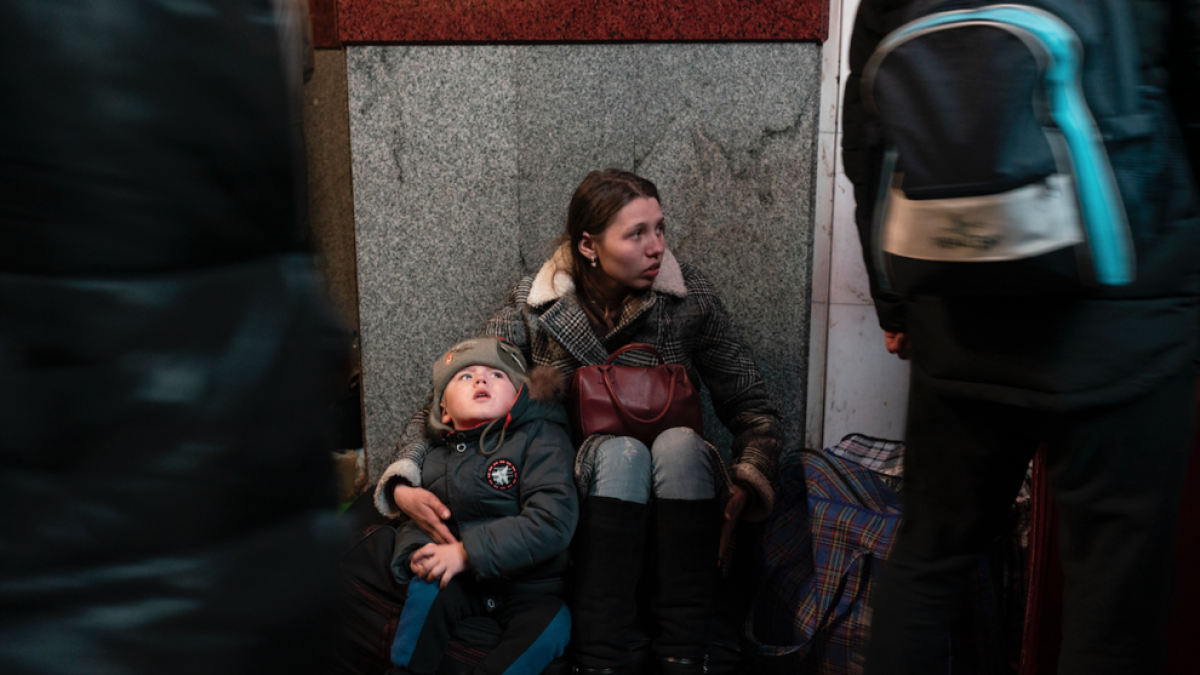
(823,547)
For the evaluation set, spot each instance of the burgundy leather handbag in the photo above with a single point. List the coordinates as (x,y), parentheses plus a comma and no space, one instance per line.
(633,401)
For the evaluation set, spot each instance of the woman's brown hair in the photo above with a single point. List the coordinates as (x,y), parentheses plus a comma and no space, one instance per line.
(595,204)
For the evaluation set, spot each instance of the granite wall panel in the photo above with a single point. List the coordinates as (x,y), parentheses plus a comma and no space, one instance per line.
(464,160)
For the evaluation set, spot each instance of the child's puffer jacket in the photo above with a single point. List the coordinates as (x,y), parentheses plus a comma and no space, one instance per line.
(515,508)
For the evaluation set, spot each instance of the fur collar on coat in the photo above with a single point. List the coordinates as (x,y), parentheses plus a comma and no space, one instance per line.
(554,280)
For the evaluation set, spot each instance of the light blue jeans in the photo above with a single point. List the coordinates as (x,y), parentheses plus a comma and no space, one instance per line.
(677,466)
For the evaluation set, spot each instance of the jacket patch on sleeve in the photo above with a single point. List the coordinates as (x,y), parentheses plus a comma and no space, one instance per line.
(502,474)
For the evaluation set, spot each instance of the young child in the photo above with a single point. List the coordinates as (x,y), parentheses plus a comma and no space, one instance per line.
(503,466)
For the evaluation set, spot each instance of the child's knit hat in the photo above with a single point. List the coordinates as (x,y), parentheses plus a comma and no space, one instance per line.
(488,351)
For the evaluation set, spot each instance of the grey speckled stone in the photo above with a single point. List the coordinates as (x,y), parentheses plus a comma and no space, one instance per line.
(465,158)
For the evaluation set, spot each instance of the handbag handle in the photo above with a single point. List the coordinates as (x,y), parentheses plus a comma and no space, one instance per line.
(635,346)
(617,399)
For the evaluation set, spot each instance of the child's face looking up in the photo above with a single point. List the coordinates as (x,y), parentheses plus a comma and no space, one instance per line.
(475,395)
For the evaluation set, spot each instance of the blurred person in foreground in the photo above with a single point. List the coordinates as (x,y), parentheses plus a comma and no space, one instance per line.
(1106,380)
(165,352)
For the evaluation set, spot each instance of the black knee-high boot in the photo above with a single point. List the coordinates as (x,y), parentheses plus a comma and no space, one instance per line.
(608,562)
(688,536)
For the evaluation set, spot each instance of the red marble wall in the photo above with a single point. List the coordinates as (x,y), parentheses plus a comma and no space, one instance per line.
(337,22)
(324,23)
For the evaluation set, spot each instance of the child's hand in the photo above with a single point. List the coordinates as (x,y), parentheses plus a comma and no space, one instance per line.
(433,561)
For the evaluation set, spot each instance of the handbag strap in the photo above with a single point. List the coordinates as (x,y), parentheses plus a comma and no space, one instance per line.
(617,399)
(635,346)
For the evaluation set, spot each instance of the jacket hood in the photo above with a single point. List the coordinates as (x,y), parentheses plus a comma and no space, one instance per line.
(554,279)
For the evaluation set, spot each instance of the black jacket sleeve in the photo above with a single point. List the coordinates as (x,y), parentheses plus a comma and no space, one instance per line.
(862,144)
(1184,67)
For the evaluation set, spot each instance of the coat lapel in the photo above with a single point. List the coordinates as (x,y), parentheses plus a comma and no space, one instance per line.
(568,324)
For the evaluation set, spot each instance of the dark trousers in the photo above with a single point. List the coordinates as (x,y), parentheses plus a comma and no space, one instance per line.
(536,627)
(1116,473)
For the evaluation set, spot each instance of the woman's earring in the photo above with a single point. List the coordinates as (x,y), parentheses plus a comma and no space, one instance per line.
(593,262)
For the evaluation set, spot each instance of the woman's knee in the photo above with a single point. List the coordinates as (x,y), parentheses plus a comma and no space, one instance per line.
(682,465)
(621,469)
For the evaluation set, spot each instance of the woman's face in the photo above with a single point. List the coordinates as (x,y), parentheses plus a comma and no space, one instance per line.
(630,249)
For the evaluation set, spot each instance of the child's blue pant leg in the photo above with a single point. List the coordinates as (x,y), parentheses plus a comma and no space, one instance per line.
(421,596)
(536,631)
(426,623)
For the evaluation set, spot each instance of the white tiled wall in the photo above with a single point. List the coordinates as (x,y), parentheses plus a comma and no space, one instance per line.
(854,384)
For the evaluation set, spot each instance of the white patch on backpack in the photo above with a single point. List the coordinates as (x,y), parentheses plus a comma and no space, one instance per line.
(502,474)
(962,233)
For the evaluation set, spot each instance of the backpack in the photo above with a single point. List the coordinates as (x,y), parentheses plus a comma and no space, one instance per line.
(996,178)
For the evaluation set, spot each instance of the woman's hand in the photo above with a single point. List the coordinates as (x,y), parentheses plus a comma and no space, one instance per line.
(426,510)
(733,511)
(439,561)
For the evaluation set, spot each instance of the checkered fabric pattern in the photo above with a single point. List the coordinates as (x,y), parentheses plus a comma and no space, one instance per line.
(835,520)
(1010,554)
(877,454)
(823,547)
